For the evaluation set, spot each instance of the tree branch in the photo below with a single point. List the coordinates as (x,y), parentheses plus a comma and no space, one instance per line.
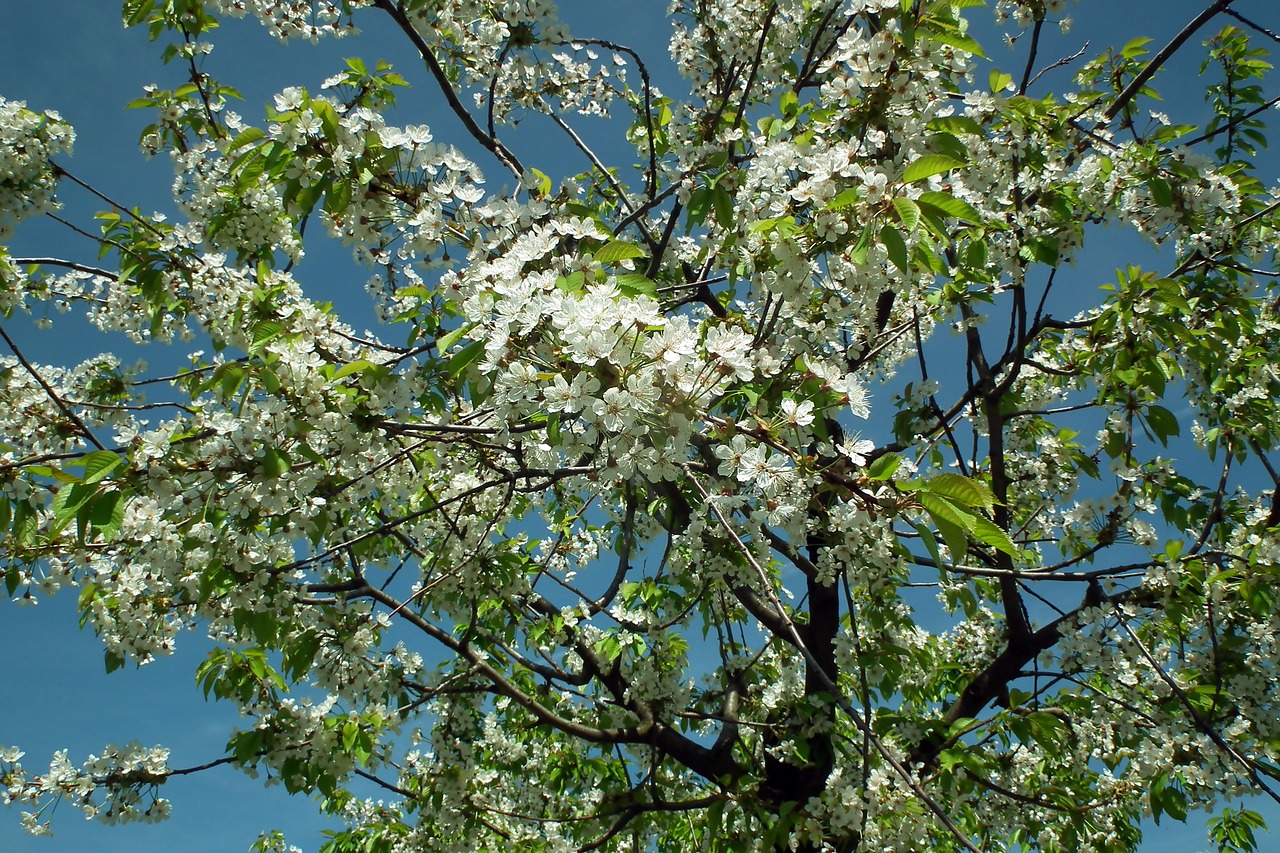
(490,143)
(1130,91)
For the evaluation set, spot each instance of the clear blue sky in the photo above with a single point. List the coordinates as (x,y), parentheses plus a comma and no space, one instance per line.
(72,55)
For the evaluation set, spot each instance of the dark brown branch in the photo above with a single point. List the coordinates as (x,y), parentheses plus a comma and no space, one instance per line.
(1258,28)
(1122,100)
(150,226)
(1066,60)
(217,762)
(384,784)
(1233,123)
(387,526)
(490,143)
(755,63)
(1031,55)
(71,265)
(646,88)
(630,813)
(993,682)
(1015,611)
(624,550)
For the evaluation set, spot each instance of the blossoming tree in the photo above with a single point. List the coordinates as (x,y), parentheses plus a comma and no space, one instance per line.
(584,549)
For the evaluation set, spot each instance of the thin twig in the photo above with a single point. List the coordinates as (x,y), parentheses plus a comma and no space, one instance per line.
(1204,725)
(53,395)
(1066,60)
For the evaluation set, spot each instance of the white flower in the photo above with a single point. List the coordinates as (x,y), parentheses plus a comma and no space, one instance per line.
(859,399)
(731,455)
(290,99)
(615,410)
(855,448)
(797,414)
(562,396)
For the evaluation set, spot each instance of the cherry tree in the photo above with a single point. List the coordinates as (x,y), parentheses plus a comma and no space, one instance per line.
(783,481)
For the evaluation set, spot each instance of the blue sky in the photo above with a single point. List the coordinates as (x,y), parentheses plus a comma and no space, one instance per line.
(72,55)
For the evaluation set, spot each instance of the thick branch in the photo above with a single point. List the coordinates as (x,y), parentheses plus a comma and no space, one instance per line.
(993,682)
(711,765)
(863,725)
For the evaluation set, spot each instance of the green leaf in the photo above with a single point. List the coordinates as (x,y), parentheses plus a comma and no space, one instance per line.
(543,182)
(107,514)
(976,255)
(328,116)
(608,648)
(298,656)
(229,376)
(618,250)
(956,124)
(1046,729)
(723,204)
(998,80)
(858,254)
(24,524)
(789,103)
(896,247)
(1135,47)
(952,522)
(245,137)
(1175,803)
(637,284)
(1163,423)
(883,467)
(68,502)
(360,365)
(958,40)
(928,166)
(208,670)
(951,206)
(698,208)
(264,331)
(783,226)
(136,11)
(446,342)
(908,213)
(1233,830)
(844,198)
(98,464)
(350,731)
(337,197)
(961,490)
(986,532)
(268,378)
(1042,250)
(571,283)
(275,463)
(1161,191)
(465,357)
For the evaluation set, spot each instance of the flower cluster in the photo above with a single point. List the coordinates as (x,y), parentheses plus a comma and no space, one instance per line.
(296,19)
(28,141)
(119,786)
